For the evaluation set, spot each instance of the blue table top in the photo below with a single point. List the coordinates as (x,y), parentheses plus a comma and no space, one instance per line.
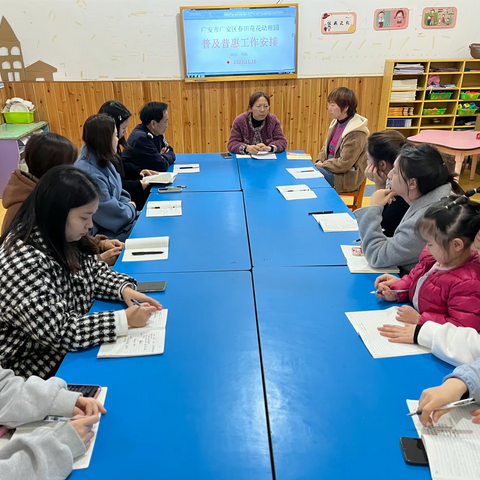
(211,234)
(262,174)
(198,410)
(217,174)
(335,412)
(283,234)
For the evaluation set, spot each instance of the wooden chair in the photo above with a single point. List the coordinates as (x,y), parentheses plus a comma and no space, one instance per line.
(357,196)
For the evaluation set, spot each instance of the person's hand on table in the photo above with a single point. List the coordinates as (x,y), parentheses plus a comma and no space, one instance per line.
(111,255)
(108,244)
(83,426)
(145,184)
(148,173)
(382,197)
(88,406)
(452,390)
(263,148)
(252,149)
(397,334)
(407,314)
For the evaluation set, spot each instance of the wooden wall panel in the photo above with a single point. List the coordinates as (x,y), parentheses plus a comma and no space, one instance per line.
(200,113)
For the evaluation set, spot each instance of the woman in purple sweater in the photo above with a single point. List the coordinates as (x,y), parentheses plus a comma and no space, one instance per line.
(257,129)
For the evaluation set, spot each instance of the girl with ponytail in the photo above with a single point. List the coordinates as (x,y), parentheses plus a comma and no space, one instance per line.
(421,178)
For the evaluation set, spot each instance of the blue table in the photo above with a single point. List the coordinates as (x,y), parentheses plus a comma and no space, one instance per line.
(335,412)
(217,174)
(283,234)
(265,174)
(210,235)
(198,410)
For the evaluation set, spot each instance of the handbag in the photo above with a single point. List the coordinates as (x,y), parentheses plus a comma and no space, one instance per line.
(475,50)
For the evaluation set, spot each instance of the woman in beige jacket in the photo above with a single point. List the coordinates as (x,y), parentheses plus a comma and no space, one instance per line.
(343,158)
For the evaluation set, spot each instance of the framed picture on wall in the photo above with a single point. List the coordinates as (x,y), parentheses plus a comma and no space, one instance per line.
(439,17)
(338,23)
(390,18)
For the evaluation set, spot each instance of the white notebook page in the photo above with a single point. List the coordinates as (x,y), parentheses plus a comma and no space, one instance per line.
(304,172)
(337,222)
(171,208)
(366,324)
(149,343)
(186,168)
(296,192)
(359,264)
(452,444)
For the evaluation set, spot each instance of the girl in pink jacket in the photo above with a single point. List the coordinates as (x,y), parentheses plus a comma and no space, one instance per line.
(444,287)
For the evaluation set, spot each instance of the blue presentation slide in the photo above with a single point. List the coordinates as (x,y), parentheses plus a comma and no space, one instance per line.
(240,41)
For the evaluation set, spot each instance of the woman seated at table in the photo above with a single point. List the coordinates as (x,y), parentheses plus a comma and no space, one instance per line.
(343,158)
(421,178)
(51,277)
(257,130)
(116,214)
(382,150)
(131,174)
(43,152)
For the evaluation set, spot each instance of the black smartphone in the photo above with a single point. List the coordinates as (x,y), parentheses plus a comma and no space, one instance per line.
(88,391)
(226,155)
(145,287)
(414,451)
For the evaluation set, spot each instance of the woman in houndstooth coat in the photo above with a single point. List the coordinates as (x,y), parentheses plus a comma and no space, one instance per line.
(51,277)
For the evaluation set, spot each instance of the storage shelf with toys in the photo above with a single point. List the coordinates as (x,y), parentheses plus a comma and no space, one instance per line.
(440,94)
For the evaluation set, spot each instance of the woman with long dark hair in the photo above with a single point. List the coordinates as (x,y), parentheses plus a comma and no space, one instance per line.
(51,276)
(116,214)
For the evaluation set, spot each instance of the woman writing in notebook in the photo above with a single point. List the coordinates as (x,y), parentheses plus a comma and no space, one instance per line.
(445,285)
(51,276)
(257,130)
(421,178)
(116,214)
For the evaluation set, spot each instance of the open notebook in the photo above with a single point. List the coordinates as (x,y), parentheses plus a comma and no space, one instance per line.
(359,264)
(336,222)
(171,208)
(452,444)
(144,249)
(83,461)
(148,340)
(366,324)
(163,178)
(296,192)
(304,172)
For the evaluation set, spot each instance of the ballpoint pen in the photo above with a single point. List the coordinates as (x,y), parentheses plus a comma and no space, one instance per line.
(147,253)
(136,302)
(320,213)
(393,291)
(460,403)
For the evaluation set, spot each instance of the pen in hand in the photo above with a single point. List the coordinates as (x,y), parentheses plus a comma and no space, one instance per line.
(136,302)
(460,403)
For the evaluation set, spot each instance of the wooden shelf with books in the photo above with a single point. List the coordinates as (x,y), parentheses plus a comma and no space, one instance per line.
(406,86)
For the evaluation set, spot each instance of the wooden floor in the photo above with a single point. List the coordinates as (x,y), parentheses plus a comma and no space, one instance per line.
(465,183)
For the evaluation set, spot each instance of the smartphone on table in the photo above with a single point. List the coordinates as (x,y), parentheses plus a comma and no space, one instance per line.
(414,451)
(88,391)
(145,287)
(226,155)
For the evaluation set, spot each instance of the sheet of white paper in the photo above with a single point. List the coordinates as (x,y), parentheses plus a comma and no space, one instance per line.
(366,323)
(267,156)
(149,244)
(238,155)
(304,172)
(337,222)
(164,209)
(358,264)
(452,444)
(296,192)
(186,168)
(149,343)
(163,178)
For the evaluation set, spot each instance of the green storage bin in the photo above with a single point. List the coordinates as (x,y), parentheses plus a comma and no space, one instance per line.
(19,117)
(434,111)
(466,111)
(439,95)
(469,96)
